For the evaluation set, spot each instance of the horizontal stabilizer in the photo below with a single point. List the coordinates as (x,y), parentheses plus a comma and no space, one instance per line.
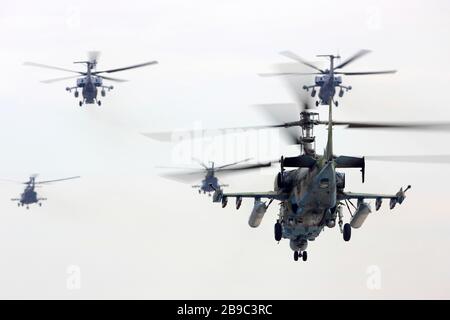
(303,161)
(351,162)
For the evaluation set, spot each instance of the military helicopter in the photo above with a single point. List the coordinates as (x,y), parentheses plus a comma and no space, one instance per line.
(92,79)
(311,192)
(312,196)
(29,195)
(210,182)
(329,79)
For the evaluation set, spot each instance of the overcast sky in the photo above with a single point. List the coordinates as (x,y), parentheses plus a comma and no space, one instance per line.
(129,233)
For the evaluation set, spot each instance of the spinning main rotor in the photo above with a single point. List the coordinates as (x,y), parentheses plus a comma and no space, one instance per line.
(91,64)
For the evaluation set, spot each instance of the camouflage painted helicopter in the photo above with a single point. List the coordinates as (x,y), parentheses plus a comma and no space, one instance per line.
(210,182)
(312,195)
(29,195)
(92,80)
(312,192)
(329,79)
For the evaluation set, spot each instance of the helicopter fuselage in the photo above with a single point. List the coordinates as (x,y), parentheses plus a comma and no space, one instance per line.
(327,84)
(29,196)
(89,85)
(311,203)
(209,184)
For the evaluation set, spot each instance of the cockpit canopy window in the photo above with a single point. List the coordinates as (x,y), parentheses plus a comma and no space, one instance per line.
(324,183)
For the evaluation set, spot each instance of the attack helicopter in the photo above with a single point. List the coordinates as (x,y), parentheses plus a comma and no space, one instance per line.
(30,196)
(329,79)
(310,188)
(210,182)
(312,193)
(91,80)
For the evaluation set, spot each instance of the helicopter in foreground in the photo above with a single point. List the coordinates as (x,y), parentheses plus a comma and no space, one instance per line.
(92,80)
(310,188)
(312,192)
(210,182)
(329,79)
(30,196)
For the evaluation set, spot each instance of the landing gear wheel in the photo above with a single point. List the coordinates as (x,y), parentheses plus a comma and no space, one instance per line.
(40,204)
(278,232)
(80,103)
(336,103)
(304,255)
(76,94)
(313,93)
(296,255)
(317,103)
(28,207)
(18,204)
(347,232)
(99,103)
(103,93)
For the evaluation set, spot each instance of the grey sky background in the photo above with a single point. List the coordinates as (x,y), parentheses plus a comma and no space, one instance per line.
(136,235)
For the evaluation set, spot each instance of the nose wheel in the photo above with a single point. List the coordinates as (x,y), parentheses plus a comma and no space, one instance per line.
(303,255)
(99,103)
(80,103)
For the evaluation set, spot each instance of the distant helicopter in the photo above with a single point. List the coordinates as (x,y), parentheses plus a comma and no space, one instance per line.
(210,182)
(327,81)
(30,196)
(91,80)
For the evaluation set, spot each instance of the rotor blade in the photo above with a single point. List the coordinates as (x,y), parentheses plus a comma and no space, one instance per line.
(13,181)
(178,168)
(295,57)
(48,181)
(185,177)
(287,74)
(126,68)
(366,72)
(194,134)
(357,55)
(200,163)
(441,158)
(50,67)
(281,112)
(232,164)
(434,126)
(245,167)
(113,79)
(58,79)
(298,94)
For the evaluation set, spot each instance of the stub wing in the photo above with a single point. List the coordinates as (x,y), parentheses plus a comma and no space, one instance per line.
(394,198)
(259,206)
(358,196)
(219,194)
